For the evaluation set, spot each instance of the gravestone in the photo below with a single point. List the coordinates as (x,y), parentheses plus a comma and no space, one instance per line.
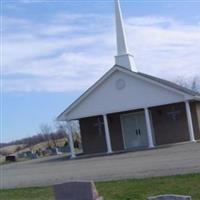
(170,197)
(65,149)
(76,191)
(21,155)
(10,158)
(55,151)
(30,155)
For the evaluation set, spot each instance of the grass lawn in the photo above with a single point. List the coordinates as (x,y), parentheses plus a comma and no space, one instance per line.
(137,189)
(142,188)
(44,193)
(2,159)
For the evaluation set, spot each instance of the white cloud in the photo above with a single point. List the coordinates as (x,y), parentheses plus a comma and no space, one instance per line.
(167,52)
(69,52)
(149,21)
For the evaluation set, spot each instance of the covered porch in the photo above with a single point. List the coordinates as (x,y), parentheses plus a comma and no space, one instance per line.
(136,129)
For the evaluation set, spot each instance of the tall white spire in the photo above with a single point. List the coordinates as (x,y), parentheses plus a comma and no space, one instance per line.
(123,57)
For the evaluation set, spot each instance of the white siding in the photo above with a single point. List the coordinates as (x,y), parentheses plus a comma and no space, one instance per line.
(138,93)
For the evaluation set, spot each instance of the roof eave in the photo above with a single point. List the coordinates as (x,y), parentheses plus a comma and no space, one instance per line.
(197,98)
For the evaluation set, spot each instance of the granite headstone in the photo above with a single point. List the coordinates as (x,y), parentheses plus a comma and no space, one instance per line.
(76,191)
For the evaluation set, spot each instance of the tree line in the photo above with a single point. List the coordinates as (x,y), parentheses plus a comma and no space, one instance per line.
(47,134)
(193,84)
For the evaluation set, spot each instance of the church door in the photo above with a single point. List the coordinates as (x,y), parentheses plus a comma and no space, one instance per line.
(134,130)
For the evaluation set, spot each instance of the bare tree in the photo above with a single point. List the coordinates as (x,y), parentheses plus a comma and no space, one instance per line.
(53,137)
(46,130)
(61,131)
(193,84)
(75,127)
(196,84)
(50,135)
(29,143)
(67,127)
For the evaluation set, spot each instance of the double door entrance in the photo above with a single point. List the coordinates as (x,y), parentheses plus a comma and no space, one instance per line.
(134,130)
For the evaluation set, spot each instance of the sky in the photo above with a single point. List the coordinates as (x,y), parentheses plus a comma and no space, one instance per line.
(52,51)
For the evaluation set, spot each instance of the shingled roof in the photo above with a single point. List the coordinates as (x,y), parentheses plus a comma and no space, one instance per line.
(171,84)
(167,83)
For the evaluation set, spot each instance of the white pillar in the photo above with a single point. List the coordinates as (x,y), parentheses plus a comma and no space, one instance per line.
(107,134)
(189,119)
(149,129)
(71,142)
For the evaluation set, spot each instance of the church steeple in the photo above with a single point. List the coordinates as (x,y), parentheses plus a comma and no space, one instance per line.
(123,57)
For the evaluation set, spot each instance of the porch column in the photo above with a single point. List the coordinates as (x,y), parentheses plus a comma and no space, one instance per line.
(107,134)
(71,142)
(149,129)
(189,119)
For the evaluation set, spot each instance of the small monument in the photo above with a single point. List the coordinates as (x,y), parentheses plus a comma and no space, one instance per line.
(55,151)
(76,191)
(10,158)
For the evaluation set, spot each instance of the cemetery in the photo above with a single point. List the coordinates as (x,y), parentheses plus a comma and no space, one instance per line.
(139,140)
(141,189)
(39,150)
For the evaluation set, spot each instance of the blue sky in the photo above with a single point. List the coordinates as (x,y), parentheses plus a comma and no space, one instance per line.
(54,50)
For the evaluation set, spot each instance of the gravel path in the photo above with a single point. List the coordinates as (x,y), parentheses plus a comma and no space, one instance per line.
(178,159)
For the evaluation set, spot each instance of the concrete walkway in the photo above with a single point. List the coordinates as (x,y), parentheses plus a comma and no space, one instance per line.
(178,159)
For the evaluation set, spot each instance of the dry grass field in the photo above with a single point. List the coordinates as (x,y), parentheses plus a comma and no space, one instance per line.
(10,149)
(43,145)
(13,149)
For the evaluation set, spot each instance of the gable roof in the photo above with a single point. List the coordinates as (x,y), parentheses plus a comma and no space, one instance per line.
(171,84)
(152,79)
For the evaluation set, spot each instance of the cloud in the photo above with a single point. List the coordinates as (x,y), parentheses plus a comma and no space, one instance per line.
(70,52)
(149,21)
(168,52)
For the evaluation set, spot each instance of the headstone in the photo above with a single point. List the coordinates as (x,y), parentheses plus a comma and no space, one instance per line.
(21,155)
(170,197)
(27,154)
(76,191)
(10,158)
(65,149)
(30,155)
(55,151)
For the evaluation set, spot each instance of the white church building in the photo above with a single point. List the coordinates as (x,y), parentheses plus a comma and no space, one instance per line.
(128,110)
